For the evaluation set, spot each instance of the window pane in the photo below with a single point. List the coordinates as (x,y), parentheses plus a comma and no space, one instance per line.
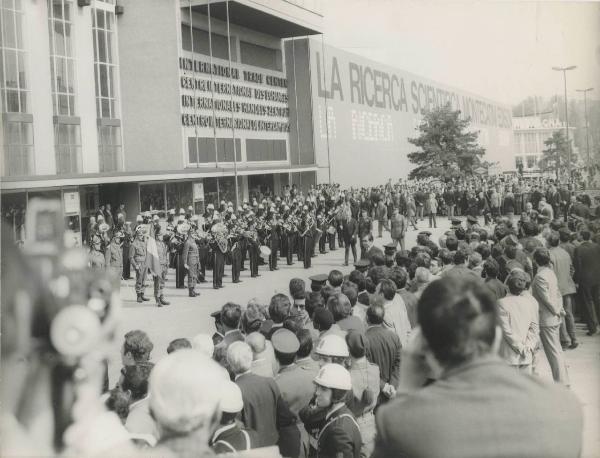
(7,4)
(68,39)
(22,75)
(152,197)
(24,100)
(101,46)
(71,76)
(8,29)
(67,10)
(109,57)
(12,101)
(105,108)
(103,81)
(108,21)
(61,74)
(72,111)
(13,133)
(19,31)
(26,133)
(57,9)
(111,79)
(10,79)
(99,19)
(59,38)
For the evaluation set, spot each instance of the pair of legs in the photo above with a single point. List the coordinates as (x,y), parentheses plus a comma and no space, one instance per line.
(348,246)
(567,326)
(550,337)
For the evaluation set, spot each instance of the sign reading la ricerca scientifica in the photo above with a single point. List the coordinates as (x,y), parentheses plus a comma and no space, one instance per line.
(211,93)
(364,112)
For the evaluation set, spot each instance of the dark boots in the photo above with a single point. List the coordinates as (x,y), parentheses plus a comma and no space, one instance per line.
(192,293)
(160,301)
(139,298)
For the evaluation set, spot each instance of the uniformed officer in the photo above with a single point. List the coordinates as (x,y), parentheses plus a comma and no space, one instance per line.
(338,433)
(472,223)
(162,246)
(230,437)
(294,381)
(137,258)
(317,282)
(362,265)
(114,255)
(389,252)
(274,241)
(97,259)
(191,260)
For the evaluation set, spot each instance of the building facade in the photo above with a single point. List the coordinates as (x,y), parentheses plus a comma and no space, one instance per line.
(530,133)
(152,104)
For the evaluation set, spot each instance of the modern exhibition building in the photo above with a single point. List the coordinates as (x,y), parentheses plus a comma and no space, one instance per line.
(160,104)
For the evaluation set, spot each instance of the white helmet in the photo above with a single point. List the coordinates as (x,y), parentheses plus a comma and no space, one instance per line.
(231,398)
(332,345)
(334,376)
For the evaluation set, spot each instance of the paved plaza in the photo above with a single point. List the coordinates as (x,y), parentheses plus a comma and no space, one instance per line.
(187,316)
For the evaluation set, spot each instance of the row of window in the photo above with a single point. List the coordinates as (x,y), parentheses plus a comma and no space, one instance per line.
(15,91)
(197,41)
(203,150)
(528,162)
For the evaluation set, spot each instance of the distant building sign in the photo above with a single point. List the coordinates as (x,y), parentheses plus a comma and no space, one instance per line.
(258,100)
(363,112)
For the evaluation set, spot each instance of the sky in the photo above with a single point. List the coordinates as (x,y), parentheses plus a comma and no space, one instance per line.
(503,50)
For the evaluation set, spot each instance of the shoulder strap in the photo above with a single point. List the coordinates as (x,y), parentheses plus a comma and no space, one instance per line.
(333,420)
(247,437)
(226,444)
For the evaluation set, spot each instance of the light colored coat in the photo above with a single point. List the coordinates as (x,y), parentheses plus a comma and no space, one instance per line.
(519,318)
(563,268)
(545,290)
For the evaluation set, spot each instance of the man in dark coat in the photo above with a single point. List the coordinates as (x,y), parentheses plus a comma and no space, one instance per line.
(349,232)
(384,350)
(370,248)
(586,261)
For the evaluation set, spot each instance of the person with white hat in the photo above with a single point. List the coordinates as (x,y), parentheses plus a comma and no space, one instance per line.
(231,437)
(332,348)
(185,393)
(338,433)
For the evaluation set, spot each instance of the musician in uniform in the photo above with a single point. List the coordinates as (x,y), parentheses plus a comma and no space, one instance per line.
(219,246)
(252,244)
(137,258)
(191,260)
(290,237)
(322,224)
(306,236)
(235,249)
(274,237)
(162,247)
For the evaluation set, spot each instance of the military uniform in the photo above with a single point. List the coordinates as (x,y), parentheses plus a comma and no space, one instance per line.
(236,259)
(191,257)
(159,280)
(97,260)
(340,435)
(137,258)
(114,258)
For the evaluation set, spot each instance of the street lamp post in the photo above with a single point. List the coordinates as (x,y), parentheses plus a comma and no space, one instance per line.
(564,70)
(587,139)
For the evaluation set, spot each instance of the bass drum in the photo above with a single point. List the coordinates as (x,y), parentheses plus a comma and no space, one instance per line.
(265,251)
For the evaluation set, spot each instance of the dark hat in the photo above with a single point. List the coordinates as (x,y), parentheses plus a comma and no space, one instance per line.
(285,341)
(564,231)
(357,343)
(427,233)
(390,248)
(362,265)
(472,219)
(556,224)
(318,281)
(511,240)
(216,314)
(456,221)
(323,318)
